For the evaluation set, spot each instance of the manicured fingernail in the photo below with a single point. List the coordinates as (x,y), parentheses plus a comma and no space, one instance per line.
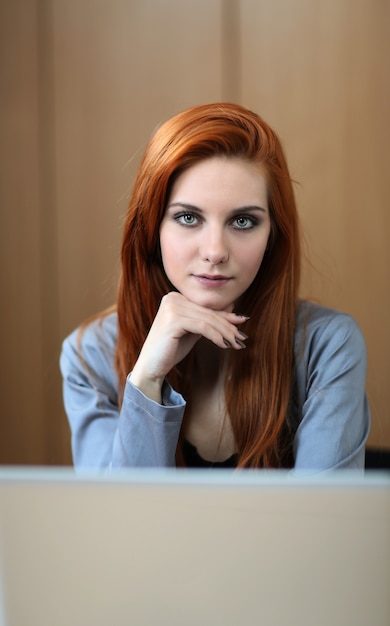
(227,344)
(243,335)
(245,317)
(239,343)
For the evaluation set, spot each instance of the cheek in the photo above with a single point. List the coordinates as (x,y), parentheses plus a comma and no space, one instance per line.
(172,253)
(252,260)
(254,265)
(166,257)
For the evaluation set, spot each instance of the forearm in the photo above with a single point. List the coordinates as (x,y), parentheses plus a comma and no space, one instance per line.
(148,431)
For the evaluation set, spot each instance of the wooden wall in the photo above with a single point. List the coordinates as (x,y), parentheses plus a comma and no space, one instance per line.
(85,82)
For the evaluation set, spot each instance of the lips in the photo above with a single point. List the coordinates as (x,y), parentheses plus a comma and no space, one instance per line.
(209,280)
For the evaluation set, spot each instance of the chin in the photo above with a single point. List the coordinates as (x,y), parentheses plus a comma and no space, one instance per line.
(213,303)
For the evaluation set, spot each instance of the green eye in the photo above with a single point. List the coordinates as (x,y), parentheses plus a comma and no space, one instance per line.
(244,222)
(186,219)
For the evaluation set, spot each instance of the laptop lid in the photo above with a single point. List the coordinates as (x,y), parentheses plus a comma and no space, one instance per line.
(189,547)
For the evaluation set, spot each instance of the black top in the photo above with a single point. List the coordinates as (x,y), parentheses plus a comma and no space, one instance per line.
(193,459)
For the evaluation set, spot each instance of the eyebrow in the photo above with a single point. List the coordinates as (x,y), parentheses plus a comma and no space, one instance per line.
(242,209)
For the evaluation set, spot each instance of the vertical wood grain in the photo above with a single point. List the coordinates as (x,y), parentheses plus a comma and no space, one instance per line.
(319,72)
(21,364)
(121,68)
(84,84)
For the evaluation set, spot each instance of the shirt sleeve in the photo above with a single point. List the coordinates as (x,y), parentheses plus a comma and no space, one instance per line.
(142,433)
(335,417)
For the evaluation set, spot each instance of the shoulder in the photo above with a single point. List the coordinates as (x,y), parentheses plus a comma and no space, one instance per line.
(315,323)
(99,334)
(92,348)
(324,334)
(102,332)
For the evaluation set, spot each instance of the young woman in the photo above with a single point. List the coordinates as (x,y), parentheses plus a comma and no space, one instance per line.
(209,358)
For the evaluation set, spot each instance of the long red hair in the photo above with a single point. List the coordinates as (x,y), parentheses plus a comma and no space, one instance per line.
(259,380)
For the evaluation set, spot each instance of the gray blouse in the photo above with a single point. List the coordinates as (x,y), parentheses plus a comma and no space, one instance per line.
(331,412)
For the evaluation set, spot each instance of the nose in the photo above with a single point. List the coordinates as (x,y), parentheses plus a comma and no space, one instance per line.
(214,248)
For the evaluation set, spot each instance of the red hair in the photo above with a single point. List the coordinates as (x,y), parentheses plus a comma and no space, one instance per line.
(259,380)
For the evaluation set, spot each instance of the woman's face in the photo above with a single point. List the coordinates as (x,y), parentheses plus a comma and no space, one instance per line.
(215,230)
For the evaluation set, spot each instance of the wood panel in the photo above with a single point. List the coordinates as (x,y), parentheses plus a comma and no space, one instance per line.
(21,363)
(121,68)
(319,73)
(84,84)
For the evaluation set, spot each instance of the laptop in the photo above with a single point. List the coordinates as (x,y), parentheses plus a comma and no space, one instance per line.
(194,548)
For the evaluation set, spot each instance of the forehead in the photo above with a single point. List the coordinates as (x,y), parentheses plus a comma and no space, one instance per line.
(222,177)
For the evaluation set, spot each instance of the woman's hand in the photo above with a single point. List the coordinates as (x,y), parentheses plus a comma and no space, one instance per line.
(178,325)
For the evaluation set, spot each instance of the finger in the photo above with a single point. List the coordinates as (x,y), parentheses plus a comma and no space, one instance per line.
(182,316)
(214,328)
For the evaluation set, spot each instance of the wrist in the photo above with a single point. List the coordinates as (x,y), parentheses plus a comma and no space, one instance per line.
(149,386)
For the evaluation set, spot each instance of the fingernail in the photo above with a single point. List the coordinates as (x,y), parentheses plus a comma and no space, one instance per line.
(245,317)
(239,343)
(243,335)
(227,344)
